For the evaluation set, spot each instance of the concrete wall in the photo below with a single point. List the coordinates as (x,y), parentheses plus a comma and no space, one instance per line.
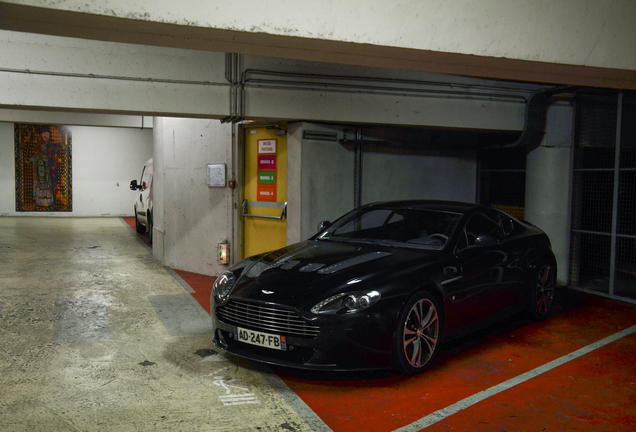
(327,181)
(190,217)
(389,176)
(323,187)
(105,160)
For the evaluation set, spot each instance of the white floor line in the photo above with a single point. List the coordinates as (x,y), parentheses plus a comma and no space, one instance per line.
(440,415)
(304,411)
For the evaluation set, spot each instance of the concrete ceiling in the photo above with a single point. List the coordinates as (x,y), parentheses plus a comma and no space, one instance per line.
(56,18)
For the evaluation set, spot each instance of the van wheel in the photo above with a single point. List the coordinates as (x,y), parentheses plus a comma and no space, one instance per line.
(139,227)
(150,224)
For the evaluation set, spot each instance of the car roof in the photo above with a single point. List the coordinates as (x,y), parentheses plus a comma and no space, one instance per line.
(436,205)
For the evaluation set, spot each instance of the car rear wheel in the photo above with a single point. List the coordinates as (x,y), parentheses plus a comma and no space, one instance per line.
(542,295)
(149,227)
(139,227)
(417,337)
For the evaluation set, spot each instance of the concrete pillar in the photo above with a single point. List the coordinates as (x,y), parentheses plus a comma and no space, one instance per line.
(294,182)
(158,188)
(548,170)
(191,218)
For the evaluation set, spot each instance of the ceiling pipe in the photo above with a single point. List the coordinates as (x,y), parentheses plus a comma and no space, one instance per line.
(535,120)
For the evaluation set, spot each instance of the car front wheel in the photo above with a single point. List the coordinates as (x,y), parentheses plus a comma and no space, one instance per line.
(417,337)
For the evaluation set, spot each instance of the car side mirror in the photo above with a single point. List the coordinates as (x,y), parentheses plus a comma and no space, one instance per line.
(134,185)
(323,225)
(486,240)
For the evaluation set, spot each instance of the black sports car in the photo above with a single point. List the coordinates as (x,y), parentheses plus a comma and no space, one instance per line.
(383,286)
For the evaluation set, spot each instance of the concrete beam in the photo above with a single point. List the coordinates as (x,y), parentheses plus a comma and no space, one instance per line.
(60,74)
(587,43)
(75,118)
(57,73)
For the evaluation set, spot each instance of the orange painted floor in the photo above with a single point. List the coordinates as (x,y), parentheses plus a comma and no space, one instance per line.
(593,392)
(130,221)
(596,392)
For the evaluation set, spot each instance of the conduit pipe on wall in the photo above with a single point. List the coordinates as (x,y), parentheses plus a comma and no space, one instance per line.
(233,75)
(108,77)
(240,82)
(370,85)
(535,119)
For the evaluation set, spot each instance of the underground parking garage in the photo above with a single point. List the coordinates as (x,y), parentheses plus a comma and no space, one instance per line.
(98,334)
(103,330)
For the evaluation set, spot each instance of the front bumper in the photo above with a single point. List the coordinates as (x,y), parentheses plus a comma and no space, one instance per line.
(356,341)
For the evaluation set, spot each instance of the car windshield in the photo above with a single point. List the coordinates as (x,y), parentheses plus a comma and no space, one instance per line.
(406,227)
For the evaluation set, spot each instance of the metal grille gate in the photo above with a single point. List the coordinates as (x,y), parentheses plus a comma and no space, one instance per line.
(603,240)
(502,181)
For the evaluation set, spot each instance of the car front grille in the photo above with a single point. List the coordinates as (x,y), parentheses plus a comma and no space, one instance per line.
(267,318)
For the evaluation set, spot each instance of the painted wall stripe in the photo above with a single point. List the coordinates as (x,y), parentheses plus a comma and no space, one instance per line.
(440,415)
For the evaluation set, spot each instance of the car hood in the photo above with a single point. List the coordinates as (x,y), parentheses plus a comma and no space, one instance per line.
(305,273)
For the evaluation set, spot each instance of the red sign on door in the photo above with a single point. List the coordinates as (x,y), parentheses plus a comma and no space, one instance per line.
(266,192)
(267,163)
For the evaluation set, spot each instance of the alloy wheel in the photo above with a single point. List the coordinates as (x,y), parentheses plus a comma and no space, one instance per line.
(421,332)
(544,292)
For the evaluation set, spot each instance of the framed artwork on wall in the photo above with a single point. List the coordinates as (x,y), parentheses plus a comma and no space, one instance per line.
(43,176)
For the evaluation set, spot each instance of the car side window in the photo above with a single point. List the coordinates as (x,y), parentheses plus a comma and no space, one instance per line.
(479,224)
(462,243)
(146,177)
(510,227)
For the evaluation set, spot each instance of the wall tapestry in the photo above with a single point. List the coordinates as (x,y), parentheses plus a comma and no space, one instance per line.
(43,180)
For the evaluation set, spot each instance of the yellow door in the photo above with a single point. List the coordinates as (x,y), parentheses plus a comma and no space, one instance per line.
(264,190)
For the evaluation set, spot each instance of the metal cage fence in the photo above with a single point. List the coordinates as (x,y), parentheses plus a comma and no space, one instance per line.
(603,241)
(502,181)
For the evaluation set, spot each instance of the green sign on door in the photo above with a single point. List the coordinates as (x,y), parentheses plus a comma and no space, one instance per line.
(266,177)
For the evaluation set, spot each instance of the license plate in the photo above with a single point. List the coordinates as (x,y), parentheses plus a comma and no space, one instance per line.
(266,340)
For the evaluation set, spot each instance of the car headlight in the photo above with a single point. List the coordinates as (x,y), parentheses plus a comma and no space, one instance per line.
(347,302)
(223,285)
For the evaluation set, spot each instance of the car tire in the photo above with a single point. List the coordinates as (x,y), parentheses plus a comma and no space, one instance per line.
(542,291)
(150,228)
(418,334)
(139,227)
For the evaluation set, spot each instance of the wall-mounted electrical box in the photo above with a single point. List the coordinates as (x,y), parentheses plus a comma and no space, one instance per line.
(216,175)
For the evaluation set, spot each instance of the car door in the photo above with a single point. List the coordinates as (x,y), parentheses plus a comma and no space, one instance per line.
(144,197)
(482,261)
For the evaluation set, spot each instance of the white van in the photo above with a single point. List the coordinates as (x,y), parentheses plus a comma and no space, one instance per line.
(143,203)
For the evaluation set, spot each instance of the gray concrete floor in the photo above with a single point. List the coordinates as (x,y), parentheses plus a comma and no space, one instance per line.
(86,342)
